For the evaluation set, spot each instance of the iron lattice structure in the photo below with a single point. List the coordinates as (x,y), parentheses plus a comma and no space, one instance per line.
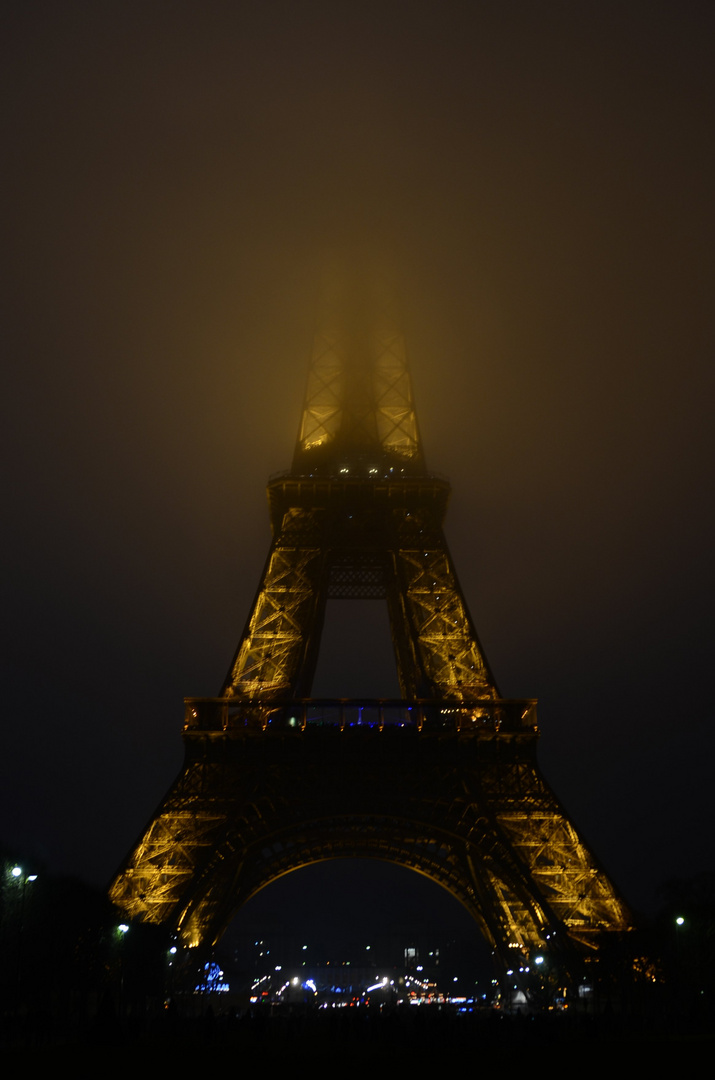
(444,781)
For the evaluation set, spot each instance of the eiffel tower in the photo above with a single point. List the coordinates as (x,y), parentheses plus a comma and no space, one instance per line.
(444,780)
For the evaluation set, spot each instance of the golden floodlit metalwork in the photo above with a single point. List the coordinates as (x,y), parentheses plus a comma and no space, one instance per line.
(444,781)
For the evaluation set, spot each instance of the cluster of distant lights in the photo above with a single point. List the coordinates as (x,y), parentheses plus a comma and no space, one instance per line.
(419,991)
(425,994)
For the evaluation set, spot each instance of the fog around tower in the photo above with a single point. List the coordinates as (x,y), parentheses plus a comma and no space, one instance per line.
(541,177)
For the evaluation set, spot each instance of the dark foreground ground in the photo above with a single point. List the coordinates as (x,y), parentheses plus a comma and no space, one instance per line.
(432,1038)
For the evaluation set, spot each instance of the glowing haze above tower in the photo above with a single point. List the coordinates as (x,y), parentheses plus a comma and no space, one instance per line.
(359,411)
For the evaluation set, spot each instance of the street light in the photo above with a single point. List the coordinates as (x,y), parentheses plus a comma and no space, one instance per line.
(17,874)
(679,924)
(122,930)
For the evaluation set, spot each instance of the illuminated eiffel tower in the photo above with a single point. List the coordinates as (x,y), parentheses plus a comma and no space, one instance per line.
(443,781)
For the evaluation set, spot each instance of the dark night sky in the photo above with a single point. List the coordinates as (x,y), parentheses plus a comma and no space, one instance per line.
(544,174)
